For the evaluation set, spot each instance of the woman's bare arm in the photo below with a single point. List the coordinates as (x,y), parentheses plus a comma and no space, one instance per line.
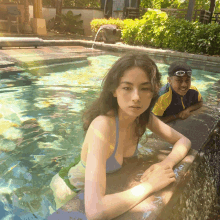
(181,144)
(98,205)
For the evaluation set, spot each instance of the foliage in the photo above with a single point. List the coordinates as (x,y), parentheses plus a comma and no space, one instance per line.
(192,37)
(178,34)
(69,23)
(208,39)
(145,31)
(158,4)
(157,30)
(181,4)
(97,23)
(74,3)
(48,3)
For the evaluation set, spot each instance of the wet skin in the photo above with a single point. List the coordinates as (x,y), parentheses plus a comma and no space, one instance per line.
(134,93)
(180,84)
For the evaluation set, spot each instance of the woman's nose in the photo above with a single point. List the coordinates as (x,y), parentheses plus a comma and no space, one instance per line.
(135,95)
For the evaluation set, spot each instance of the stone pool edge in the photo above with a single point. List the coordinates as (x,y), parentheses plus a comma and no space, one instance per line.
(166,55)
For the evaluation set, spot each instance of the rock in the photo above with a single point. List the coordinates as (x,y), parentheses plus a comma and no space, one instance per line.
(109,33)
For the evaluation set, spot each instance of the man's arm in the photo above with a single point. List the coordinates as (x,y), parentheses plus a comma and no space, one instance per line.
(195,106)
(169,118)
(183,114)
(186,113)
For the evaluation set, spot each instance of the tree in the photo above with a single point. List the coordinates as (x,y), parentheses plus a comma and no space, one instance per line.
(191,6)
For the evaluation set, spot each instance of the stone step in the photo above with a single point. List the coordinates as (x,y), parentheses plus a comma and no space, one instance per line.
(10,70)
(20,42)
(61,67)
(36,61)
(5,63)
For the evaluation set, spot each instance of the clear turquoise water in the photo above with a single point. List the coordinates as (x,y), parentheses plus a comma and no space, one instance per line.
(41,129)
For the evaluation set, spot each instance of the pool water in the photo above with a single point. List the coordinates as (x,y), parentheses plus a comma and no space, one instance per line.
(41,129)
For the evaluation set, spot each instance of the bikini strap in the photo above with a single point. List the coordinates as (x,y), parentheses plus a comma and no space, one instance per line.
(117,132)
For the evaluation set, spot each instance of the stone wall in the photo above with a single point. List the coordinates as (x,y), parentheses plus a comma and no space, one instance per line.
(87,15)
(3,15)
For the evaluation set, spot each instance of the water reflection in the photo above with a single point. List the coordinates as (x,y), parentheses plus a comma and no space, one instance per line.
(41,128)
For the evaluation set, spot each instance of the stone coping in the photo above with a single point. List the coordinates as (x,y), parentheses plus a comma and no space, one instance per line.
(197,128)
(20,42)
(120,47)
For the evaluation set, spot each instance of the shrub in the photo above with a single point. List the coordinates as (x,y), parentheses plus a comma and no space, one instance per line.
(178,34)
(97,23)
(68,23)
(156,29)
(207,39)
(145,31)
(130,31)
(192,37)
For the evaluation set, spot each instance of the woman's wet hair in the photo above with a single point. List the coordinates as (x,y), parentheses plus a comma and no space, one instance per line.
(106,101)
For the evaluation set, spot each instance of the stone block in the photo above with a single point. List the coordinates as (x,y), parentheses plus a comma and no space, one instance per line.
(39,26)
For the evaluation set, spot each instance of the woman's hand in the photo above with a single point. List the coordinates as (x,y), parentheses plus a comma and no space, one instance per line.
(159,176)
(153,167)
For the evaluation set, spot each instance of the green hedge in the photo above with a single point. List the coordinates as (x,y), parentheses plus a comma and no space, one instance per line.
(156,29)
(97,23)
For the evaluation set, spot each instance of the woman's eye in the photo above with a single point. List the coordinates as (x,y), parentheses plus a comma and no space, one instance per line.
(146,89)
(127,88)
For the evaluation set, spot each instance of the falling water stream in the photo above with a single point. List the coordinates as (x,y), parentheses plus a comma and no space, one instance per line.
(200,198)
(96,36)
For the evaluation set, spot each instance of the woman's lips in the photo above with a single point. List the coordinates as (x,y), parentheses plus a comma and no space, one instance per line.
(135,107)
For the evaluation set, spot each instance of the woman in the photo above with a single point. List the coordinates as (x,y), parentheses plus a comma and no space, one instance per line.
(114,124)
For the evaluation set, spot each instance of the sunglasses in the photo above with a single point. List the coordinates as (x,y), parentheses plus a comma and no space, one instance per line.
(182,73)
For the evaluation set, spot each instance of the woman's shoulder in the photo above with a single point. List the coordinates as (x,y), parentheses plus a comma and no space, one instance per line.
(103,122)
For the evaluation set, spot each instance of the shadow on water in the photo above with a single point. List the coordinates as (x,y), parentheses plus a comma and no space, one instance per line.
(42,131)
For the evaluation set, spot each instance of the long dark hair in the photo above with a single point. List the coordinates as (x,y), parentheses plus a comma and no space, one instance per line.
(106,101)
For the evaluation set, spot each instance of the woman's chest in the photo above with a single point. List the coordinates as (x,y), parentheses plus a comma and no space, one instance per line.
(127,143)
(121,144)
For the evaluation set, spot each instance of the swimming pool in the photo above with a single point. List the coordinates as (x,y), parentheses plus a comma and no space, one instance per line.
(41,128)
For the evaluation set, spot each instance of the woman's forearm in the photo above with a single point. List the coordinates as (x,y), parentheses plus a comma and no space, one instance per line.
(179,151)
(119,203)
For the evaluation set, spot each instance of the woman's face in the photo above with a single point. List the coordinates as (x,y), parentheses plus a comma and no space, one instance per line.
(134,92)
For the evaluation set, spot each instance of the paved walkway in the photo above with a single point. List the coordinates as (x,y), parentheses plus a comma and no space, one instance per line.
(212,63)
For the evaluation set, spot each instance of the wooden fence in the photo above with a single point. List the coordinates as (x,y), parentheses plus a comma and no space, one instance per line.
(178,13)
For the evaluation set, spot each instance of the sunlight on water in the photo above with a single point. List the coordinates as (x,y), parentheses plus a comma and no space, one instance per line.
(41,128)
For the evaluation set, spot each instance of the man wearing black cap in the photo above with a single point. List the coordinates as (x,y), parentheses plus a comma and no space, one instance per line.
(177,98)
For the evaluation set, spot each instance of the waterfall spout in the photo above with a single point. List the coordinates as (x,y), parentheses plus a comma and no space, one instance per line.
(97,35)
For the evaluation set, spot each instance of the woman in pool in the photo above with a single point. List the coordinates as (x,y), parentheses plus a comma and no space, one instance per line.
(114,124)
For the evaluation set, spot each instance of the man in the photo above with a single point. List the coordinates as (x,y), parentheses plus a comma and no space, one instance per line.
(177,98)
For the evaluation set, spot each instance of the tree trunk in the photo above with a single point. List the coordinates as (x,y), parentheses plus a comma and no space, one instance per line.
(37,8)
(26,25)
(189,14)
(58,10)
(212,9)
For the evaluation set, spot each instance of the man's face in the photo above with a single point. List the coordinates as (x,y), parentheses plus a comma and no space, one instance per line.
(180,84)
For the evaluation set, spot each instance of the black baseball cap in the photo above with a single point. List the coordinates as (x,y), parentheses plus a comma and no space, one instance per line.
(178,66)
